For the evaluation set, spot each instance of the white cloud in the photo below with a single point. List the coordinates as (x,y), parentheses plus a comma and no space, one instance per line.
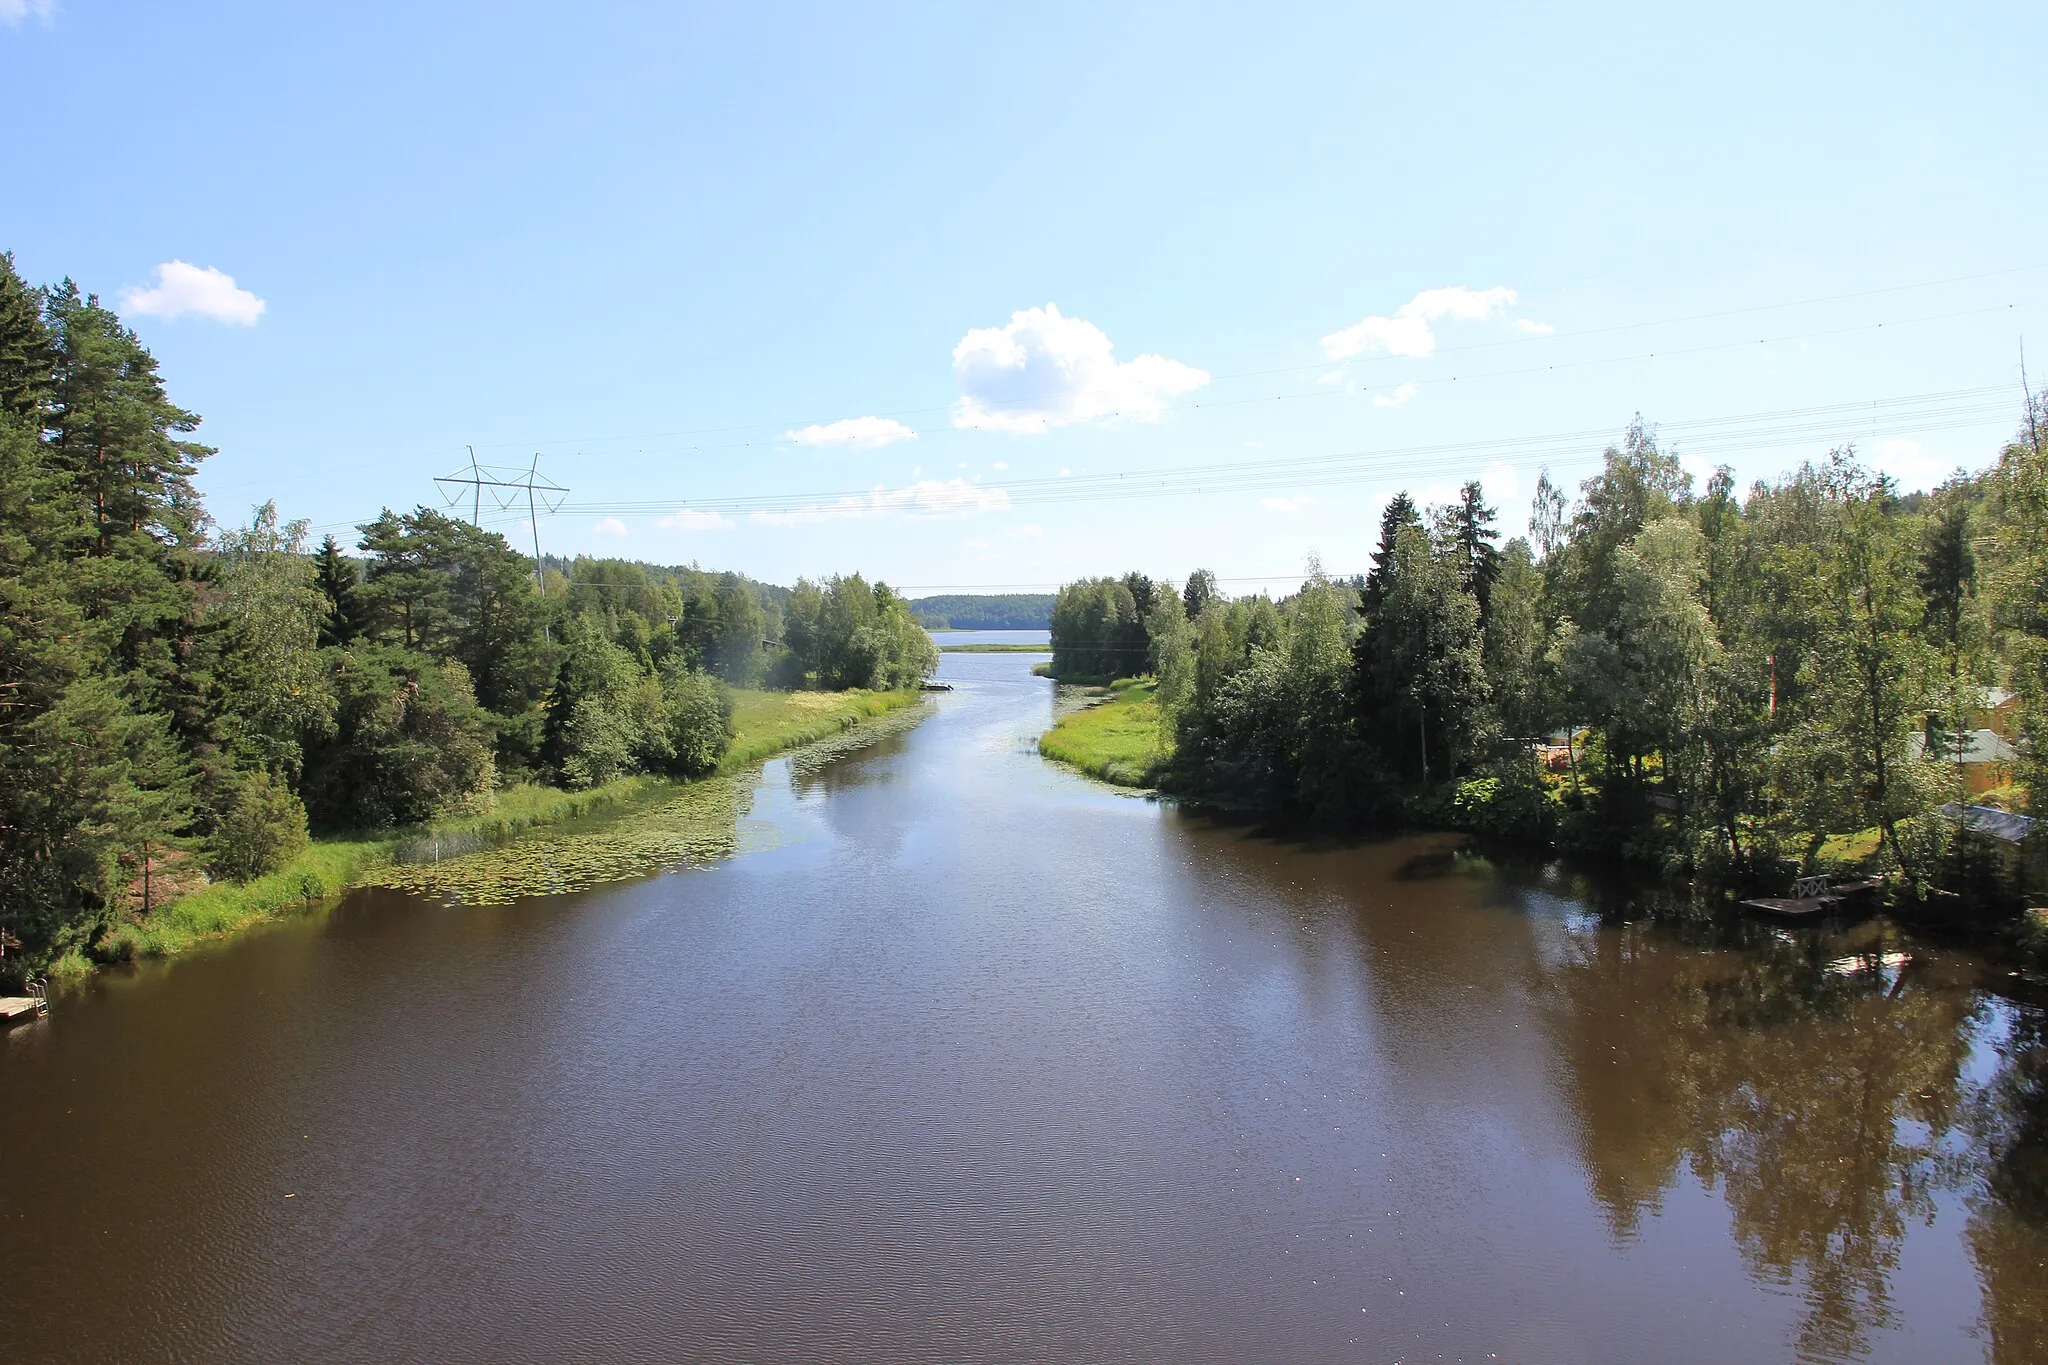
(1503,485)
(924,498)
(1907,461)
(1408,332)
(14,11)
(610,526)
(1283,504)
(690,519)
(183,290)
(1002,464)
(1043,370)
(865,432)
(1534,328)
(1030,530)
(1394,399)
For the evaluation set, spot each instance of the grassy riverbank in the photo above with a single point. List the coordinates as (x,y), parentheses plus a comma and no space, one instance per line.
(1118,741)
(764,723)
(995,649)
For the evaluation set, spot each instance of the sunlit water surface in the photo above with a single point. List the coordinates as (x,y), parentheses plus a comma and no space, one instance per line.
(951,1055)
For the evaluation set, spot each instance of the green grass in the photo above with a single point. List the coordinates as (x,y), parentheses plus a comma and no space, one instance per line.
(764,723)
(1841,849)
(1118,741)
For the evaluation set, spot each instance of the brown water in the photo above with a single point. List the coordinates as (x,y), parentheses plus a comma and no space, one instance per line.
(963,1058)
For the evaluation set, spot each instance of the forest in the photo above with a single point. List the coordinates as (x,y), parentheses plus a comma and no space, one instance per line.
(1749,685)
(173,690)
(991,611)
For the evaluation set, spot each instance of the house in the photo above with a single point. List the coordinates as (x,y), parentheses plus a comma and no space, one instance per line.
(1985,750)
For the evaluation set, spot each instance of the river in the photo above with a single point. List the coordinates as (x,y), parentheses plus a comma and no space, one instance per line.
(962,1057)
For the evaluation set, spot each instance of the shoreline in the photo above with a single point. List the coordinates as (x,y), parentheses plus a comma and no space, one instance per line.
(765,724)
(1115,741)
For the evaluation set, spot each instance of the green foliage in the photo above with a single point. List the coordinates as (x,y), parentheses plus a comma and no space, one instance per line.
(265,622)
(695,723)
(409,741)
(997,611)
(1099,630)
(1737,684)
(262,829)
(845,634)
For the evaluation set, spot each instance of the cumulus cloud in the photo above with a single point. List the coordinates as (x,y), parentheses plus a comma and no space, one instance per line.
(185,290)
(1408,331)
(864,432)
(1283,504)
(924,498)
(690,519)
(1043,369)
(610,526)
(1394,399)
(12,12)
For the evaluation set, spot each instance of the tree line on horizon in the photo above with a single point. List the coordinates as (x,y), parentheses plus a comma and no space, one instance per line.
(988,611)
(1733,678)
(175,690)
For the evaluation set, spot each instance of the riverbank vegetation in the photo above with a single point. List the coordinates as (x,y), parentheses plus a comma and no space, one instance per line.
(1744,685)
(1121,740)
(182,702)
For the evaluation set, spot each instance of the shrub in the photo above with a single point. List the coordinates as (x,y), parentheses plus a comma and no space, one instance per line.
(696,722)
(262,829)
(410,742)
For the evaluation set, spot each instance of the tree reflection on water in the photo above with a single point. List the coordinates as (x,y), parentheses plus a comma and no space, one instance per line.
(1823,1087)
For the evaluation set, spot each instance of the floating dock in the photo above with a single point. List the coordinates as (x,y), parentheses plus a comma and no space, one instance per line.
(14,1008)
(1815,899)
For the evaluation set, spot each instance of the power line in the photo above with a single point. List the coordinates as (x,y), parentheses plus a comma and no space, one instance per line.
(1326,364)
(1716,435)
(479,477)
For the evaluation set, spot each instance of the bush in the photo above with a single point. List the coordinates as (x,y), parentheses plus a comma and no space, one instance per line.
(696,723)
(262,829)
(410,742)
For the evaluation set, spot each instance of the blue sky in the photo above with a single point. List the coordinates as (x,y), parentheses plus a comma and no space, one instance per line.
(713,263)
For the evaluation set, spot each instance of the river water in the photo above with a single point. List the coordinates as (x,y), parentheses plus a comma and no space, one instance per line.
(962,1057)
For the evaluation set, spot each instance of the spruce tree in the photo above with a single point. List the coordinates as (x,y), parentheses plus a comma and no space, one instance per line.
(335,576)
(1470,524)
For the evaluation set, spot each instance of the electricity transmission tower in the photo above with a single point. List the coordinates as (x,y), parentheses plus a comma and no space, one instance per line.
(506,484)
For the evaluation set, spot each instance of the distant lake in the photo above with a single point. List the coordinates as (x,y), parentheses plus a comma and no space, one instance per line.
(992,637)
(962,1057)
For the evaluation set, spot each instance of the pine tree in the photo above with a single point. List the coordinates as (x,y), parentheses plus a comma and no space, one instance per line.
(27,364)
(117,433)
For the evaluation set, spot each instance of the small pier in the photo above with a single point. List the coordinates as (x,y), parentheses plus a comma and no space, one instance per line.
(1813,898)
(34,1005)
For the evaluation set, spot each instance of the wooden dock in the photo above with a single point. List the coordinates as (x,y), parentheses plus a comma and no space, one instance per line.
(14,1008)
(1817,900)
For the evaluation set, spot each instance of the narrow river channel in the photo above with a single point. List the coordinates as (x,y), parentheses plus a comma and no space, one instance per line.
(962,1057)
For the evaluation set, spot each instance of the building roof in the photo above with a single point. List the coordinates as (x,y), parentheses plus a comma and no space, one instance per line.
(1998,824)
(1977,746)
